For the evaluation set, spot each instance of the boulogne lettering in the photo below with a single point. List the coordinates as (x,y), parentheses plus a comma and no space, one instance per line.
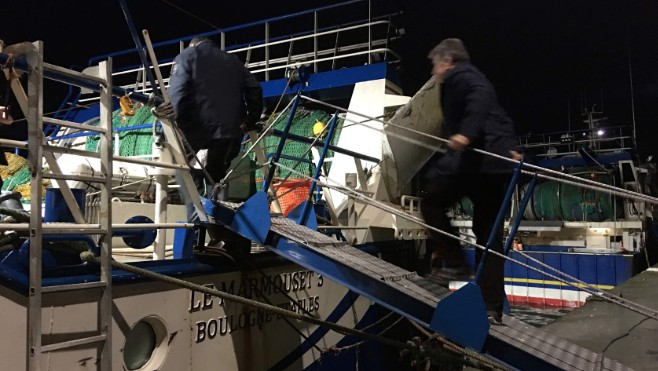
(227,324)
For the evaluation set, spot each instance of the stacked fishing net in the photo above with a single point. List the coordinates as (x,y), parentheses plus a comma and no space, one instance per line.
(16,176)
(131,142)
(302,125)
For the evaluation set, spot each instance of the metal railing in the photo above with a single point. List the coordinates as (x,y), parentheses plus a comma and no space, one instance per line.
(335,45)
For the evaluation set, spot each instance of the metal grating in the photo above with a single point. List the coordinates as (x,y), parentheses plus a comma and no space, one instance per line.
(553,350)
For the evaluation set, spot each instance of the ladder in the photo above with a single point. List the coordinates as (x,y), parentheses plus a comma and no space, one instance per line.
(39,149)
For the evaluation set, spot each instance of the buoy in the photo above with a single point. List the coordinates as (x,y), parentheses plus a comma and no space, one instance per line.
(318,129)
(127,107)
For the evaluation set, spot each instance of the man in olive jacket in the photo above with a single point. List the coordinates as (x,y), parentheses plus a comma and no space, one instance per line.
(472,118)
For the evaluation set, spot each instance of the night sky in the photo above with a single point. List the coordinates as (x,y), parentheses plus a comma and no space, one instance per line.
(547,59)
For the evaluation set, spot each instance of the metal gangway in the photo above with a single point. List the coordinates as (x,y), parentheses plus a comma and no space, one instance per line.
(458,316)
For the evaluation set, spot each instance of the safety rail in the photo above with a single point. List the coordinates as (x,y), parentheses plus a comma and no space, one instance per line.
(599,140)
(271,56)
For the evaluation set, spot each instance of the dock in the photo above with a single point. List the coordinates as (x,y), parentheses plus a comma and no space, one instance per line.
(623,335)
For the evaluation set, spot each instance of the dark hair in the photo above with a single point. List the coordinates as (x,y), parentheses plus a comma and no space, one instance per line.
(450,48)
(198,40)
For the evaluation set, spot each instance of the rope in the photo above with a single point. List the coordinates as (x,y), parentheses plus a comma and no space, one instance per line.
(558,176)
(456,348)
(272,282)
(265,131)
(335,349)
(20,216)
(88,256)
(635,307)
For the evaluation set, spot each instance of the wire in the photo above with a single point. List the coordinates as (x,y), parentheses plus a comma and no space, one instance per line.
(190,14)
(557,176)
(636,307)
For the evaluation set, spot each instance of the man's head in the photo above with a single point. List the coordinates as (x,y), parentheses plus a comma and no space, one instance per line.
(198,40)
(446,55)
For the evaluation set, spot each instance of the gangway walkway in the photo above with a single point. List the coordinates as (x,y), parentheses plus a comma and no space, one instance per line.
(514,343)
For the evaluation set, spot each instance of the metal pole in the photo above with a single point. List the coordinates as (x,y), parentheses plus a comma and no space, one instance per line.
(369,31)
(138,44)
(315,41)
(105,221)
(282,143)
(499,219)
(318,168)
(35,155)
(267,51)
(514,227)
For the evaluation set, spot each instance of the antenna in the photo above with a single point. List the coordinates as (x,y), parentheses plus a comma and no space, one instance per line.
(630,78)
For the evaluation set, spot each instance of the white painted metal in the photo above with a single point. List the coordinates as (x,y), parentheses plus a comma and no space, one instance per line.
(370,98)
(254,339)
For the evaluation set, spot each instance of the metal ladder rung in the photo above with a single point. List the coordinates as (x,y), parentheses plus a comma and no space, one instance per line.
(74,125)
(72,343)
(75,74)
(58,228)
(71,151)
(82,178)
(74,286)
(138,161)
(74,230)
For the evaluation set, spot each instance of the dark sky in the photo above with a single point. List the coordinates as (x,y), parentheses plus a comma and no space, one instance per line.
(547,59)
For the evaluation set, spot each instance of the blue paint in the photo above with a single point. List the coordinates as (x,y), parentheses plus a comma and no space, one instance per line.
(137,239)
(297,214)
(462,317)
(183,241)
(355,280)
(500,218)
(55,208)
(252,219)
(367,356)
(328,85)
(302,218)
(336,314)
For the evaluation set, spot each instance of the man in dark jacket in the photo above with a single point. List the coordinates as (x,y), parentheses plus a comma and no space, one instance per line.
(472,118)
(215,99)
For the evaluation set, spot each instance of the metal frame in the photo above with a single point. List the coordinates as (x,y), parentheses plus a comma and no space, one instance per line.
(37,151)
(313,55)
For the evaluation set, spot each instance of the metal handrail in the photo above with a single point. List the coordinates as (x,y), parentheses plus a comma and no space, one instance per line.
(94,60)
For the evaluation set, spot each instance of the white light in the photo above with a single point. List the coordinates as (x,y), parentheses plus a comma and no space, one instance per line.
(600,133)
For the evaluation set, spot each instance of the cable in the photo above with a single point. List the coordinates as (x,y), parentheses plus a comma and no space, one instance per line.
(558,176)
(190,14)
(638,308)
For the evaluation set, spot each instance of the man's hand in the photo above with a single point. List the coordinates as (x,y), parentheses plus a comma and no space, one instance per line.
(458,142)
(515,155)
(257,127)
(5,117)
(164,111)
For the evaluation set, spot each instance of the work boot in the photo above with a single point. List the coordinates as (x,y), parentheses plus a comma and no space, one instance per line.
(495,317)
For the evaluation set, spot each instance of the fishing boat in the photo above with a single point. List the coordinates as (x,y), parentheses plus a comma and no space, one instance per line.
(595,237)
(270,280)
